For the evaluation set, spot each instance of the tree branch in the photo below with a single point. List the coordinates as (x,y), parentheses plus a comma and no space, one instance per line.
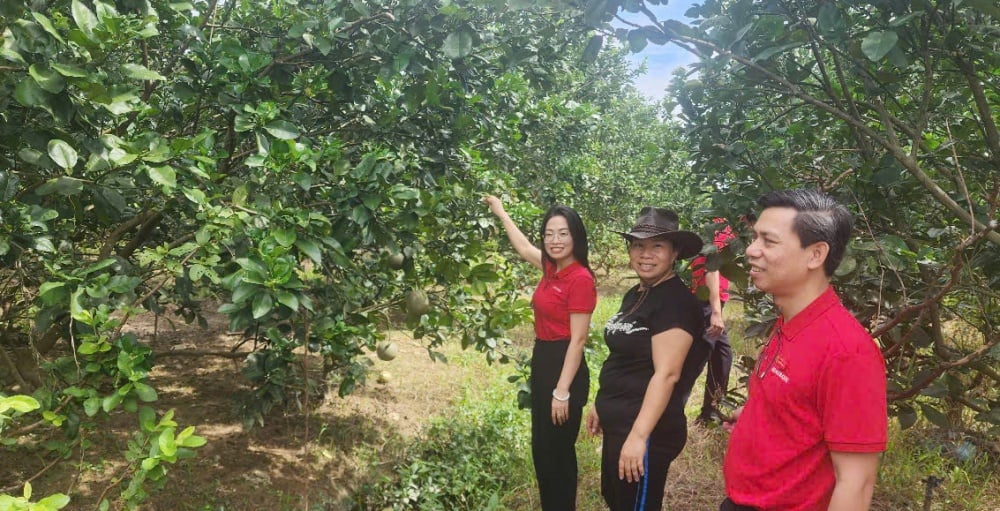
(908,162)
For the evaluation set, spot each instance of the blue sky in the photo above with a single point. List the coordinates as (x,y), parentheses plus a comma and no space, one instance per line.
(661,60)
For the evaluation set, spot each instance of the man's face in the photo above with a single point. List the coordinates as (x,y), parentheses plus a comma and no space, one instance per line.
(778,263)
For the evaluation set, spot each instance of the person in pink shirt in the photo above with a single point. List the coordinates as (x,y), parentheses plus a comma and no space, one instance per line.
(814,424)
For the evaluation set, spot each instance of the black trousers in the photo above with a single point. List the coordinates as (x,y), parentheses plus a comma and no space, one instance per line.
(728,505)
(553,448)
(646,494)
(720,362)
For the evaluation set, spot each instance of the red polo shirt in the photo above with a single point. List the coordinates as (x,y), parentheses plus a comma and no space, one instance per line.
(559,294)
(819,387)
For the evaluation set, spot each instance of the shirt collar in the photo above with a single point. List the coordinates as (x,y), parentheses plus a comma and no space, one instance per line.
(803,319)
(551,267)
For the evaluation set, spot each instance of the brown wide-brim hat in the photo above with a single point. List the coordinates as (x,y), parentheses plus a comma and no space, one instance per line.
(663,223)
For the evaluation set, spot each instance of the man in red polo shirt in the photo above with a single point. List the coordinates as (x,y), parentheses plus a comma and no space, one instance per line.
(810,434)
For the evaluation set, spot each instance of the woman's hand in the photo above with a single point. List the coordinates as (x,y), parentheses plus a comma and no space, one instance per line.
(630,462)
(496,207)
(593,422)
(560,412)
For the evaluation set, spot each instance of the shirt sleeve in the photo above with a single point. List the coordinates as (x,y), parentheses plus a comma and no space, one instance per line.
(678,311)
(852,402)
(582,294)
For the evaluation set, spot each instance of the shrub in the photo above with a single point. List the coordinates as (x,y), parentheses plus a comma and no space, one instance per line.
(468,460)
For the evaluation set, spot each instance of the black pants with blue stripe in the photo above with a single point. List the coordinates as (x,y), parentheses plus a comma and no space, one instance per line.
(553,448)
(647,493)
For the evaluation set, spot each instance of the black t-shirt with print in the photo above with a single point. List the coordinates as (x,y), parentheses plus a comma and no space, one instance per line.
(629,366)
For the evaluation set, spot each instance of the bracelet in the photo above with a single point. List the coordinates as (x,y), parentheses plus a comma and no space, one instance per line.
(557,398)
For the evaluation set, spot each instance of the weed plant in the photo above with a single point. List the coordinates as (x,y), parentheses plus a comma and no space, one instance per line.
(467,460)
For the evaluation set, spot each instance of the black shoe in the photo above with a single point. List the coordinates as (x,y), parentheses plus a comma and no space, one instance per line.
(710,418)
(704,420)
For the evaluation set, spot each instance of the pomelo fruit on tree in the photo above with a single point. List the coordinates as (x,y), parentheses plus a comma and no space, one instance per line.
(396,260)
(387,350)
(417,303)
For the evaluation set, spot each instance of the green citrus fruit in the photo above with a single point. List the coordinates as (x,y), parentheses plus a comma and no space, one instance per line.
(387,350)
(396,260)
(417,302)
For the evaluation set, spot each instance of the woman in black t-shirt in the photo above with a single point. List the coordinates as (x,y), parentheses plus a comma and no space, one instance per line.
(656,350)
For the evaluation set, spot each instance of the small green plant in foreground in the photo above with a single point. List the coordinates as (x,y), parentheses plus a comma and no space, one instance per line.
(468,460)
(20,404)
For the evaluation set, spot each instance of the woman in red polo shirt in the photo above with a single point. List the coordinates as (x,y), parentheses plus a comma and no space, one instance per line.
(563,302)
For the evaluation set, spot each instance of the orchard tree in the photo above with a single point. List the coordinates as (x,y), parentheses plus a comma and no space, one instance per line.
(313,170)
(892,107)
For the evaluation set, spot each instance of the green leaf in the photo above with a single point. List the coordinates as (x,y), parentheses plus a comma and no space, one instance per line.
(150,463)
(52,292)
(68,71)
(831,21)
(403,192)
(147,418)
(62,153)
(637,40)
(165,176)
(88,348)
(193,441)
(91,406)
(195,195)
(54,501)
(240,195)
(242,291)
(196,272)
(84,18)
(61,185)
(139,72)
(166,442)
(877,44)
(29,93)
(110,402)
(262,305)
(47,79)
(935,416)
(19,403)
(288,299)
(146,393)
(282,130)
(76,309)
(46,24)
(44,244)
(458,44)
(310,249)
(284,237)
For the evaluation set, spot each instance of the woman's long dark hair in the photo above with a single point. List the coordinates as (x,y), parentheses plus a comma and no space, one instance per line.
(576,229)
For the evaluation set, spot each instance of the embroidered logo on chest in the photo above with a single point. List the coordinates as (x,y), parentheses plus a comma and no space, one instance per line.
(779,368)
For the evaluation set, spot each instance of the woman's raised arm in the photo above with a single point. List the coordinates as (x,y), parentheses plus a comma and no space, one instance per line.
(518,240)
